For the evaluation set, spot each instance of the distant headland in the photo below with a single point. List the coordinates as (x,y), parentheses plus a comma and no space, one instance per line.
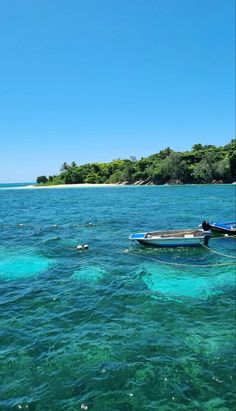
(204,164)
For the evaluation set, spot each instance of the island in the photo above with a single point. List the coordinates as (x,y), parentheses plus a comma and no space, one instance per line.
(204,164)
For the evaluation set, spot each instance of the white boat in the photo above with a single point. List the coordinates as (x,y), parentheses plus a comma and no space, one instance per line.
(173,238)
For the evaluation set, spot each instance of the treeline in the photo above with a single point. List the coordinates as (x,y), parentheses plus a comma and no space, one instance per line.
(203,164)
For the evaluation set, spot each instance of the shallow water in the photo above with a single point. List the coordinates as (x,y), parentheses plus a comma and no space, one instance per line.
(117,327)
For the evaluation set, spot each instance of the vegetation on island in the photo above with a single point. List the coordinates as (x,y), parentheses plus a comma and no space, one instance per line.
(203,164)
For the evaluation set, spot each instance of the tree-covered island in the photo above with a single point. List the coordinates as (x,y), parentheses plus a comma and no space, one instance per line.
(203,164)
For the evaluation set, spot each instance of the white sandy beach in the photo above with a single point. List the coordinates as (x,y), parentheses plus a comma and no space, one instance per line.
(70,186)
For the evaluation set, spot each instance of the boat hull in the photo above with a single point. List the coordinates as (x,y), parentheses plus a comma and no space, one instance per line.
(172,243)
(223,228)
(173,238)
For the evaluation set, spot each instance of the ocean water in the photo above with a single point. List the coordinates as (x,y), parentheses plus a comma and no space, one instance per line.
(15,185)
(117,327)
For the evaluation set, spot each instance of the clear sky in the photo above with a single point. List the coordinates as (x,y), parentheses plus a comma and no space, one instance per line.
(95,80)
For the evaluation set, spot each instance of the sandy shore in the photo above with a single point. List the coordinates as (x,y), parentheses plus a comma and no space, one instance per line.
(71,186)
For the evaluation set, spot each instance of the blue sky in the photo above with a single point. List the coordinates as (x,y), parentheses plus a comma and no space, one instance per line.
(96,80)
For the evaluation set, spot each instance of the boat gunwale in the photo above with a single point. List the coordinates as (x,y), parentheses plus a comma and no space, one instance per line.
(171,235)
(223,226)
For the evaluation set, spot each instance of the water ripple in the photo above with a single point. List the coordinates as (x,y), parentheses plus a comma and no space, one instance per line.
(106,330)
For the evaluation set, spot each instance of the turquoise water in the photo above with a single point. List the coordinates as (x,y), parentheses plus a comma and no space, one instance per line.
(15,185)
(115,327)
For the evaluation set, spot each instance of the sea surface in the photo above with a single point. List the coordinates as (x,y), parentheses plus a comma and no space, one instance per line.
(116,327)
(15,185)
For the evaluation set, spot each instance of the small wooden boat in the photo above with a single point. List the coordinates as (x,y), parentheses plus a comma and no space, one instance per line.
(223,228)
(173,238)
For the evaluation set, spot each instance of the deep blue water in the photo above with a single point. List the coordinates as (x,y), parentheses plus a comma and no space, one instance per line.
(117,327)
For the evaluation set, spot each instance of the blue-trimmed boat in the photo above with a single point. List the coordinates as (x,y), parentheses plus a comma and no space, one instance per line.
(223,228)
(173,238)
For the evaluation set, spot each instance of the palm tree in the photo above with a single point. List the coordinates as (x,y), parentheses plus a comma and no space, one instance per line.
(65,166)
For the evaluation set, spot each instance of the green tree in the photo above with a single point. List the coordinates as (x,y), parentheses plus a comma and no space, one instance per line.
(165,153)
(232,163)
(65,166)
(204,171)
(222,169)
(41,179)
(197,147)
(173,167)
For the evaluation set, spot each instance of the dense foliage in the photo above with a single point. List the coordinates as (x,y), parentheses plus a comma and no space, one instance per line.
(203,164)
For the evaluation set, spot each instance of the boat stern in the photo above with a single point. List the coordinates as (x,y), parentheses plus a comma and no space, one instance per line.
(137,236)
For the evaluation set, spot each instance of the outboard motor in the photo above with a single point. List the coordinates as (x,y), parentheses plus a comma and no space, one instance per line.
(206,239)
(205,225)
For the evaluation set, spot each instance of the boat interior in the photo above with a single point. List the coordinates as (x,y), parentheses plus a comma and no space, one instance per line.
(174,233)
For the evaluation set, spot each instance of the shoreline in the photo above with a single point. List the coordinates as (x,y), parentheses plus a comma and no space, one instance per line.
(90,185)
(69,186)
